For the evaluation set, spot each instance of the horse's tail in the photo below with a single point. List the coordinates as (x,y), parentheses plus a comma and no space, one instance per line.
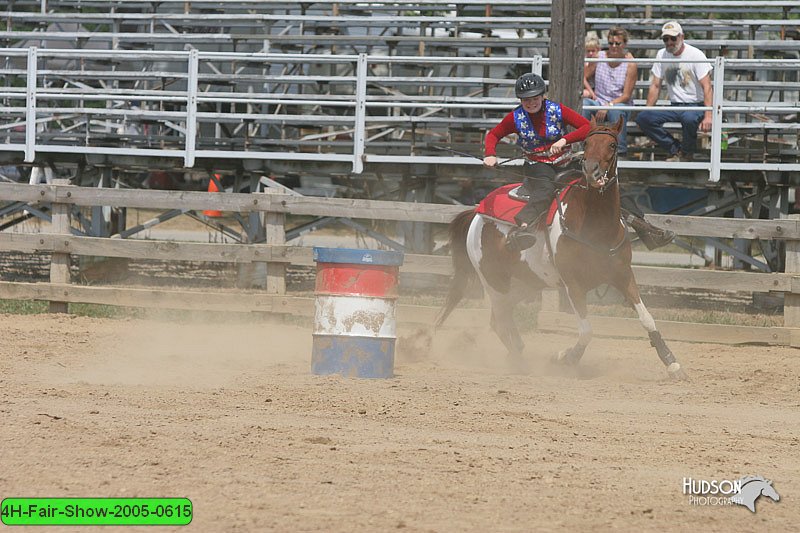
(464,272)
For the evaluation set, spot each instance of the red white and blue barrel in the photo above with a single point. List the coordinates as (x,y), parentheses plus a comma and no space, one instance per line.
(355,319)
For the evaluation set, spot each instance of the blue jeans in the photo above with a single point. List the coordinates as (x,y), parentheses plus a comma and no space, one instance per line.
(652,124)
(612,117)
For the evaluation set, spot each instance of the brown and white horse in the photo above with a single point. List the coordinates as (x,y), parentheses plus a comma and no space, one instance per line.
(585,245)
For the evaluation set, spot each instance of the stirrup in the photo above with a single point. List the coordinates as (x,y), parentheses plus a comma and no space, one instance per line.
(657,239)
(519,239)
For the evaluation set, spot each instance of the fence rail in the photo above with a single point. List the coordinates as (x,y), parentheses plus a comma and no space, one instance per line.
(276,254)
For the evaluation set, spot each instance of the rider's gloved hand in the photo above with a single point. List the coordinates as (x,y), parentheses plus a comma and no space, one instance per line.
(490,161)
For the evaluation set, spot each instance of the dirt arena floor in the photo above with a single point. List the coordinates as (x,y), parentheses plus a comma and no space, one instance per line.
(229,416)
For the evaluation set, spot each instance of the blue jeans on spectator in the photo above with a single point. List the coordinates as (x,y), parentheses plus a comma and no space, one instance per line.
(652,124)
(612,116)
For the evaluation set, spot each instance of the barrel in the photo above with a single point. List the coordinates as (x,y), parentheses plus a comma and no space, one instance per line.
(354,318)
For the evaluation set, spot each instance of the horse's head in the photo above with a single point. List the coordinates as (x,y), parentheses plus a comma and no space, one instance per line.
(600,154)
(768,490)
(759,485)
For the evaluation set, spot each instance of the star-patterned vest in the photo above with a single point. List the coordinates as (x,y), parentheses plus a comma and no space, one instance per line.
(528,139)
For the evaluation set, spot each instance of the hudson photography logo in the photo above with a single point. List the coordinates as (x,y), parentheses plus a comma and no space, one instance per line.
(726,492)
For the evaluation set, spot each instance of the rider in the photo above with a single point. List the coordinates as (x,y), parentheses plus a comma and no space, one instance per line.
(540,127)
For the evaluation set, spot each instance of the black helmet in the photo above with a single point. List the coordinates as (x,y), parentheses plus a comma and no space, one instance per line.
(529,85)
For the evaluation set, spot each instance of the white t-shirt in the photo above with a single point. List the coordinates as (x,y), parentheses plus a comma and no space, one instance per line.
(682,79)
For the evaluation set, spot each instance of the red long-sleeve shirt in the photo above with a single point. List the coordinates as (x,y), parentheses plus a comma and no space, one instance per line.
(507,127)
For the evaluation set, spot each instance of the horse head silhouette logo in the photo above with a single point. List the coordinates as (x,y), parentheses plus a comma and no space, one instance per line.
(752,488)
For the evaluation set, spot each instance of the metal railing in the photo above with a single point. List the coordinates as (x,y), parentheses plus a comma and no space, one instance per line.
(67,102)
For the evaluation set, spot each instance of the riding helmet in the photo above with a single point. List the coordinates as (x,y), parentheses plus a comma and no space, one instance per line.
(529,85)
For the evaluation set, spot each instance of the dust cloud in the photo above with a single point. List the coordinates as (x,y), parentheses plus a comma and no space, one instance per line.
(229,415)
(193,354)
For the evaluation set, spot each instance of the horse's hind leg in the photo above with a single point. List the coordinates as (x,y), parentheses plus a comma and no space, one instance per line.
(572,355)
(502,323)
(629,288)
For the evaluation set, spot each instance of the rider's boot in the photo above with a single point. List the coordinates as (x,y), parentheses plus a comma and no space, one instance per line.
(522,237)
(652,236)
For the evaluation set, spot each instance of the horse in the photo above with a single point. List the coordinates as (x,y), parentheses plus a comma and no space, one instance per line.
(752,488)
(581,245)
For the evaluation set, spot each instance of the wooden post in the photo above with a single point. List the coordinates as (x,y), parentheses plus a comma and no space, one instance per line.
(567,29)
(791,300)
(253,274)
(275,230)
(59,263)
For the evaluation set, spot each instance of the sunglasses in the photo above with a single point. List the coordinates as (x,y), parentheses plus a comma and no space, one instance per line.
(668,38)
(616,43)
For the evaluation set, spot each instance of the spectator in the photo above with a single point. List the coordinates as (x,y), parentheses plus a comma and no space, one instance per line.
(687,84)
(613,84)
(592,48)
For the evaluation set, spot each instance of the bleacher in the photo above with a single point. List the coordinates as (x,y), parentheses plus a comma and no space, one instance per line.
(277,81)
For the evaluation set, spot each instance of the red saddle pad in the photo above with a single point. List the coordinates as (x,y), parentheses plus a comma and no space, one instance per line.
(499,205)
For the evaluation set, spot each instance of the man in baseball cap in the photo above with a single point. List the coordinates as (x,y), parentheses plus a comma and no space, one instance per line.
(688,84)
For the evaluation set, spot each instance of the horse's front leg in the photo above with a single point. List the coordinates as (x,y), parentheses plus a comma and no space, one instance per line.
(577,298)
(628,287)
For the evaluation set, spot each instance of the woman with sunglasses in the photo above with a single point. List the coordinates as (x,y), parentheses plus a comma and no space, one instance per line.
(688,84)
(613,84)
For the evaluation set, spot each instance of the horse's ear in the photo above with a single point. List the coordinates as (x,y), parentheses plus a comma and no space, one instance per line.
(620,123)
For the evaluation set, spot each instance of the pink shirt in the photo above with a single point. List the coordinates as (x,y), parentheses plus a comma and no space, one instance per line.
(609,82)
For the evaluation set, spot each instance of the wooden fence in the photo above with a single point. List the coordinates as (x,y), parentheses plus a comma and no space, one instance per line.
(276,254)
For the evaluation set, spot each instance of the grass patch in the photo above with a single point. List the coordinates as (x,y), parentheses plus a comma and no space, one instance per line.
(525,314)
(23,307)
(699,316)
(36,307)
(105,311)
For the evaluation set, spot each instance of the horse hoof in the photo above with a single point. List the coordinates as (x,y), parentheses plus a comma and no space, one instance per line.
(676,372)
(565,357)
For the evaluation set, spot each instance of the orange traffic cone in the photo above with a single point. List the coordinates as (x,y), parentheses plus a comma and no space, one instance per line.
(212,187)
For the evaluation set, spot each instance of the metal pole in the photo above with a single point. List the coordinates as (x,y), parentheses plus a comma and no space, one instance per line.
(716,119)
(30,107)
(360,114)
(537,65)
(191,109)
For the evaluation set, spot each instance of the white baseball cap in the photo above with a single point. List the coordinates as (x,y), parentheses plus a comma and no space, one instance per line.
(671,28)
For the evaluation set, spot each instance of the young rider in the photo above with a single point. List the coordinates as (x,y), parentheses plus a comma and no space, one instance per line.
(540,125)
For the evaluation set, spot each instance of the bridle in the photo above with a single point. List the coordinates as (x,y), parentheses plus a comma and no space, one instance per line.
(607,182)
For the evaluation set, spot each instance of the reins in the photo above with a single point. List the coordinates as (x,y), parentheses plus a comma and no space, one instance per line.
(495,168)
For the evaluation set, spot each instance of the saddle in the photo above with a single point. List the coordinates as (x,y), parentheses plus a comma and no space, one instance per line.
(505,202)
